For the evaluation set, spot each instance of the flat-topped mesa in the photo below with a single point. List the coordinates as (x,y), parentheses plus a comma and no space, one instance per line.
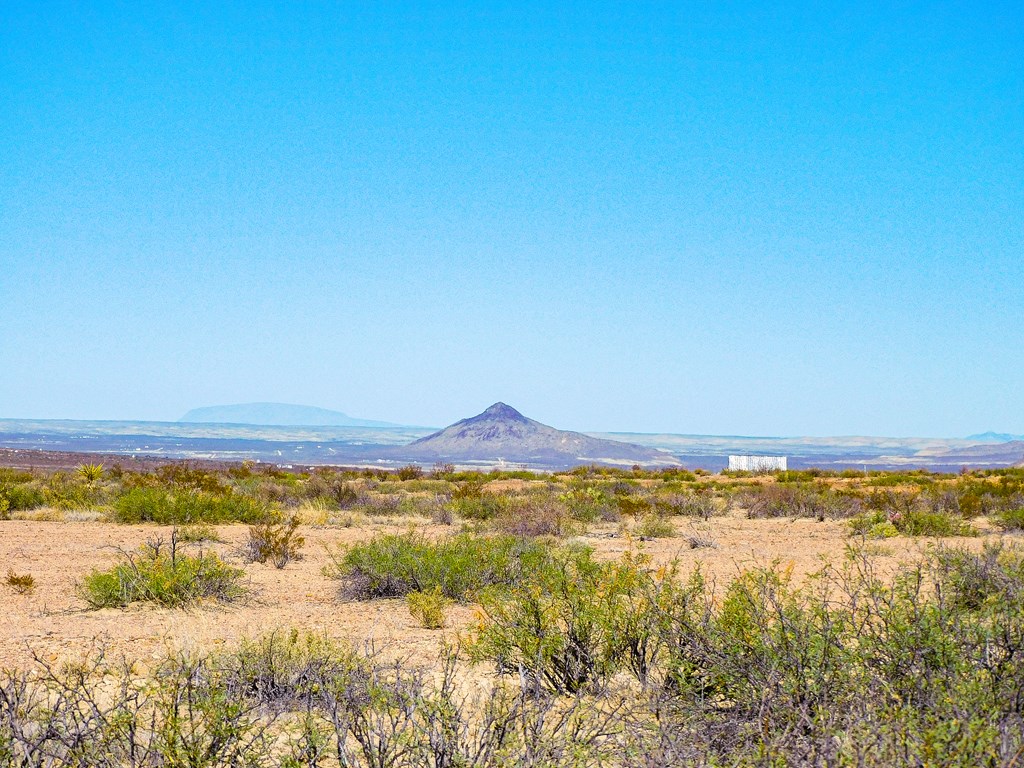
(502,434)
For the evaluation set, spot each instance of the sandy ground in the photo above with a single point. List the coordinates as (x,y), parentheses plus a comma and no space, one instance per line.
(54,621)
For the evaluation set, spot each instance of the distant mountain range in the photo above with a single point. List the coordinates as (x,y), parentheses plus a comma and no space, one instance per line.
(277,414)
(995,437)
(501,433)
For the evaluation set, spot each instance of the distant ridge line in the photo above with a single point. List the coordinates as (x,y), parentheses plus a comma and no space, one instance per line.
(277,415)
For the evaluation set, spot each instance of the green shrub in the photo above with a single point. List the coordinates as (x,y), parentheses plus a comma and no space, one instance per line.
(158,573)
(63,492)
(572,624)
(1010,519)
(393,565)
(912,522)
(631,505)
(991,578)
(157,505)
(655,527)
(883,530)
(428,608)
(587,504)
(924,523)
(923,668)
(481,506)
(21,496)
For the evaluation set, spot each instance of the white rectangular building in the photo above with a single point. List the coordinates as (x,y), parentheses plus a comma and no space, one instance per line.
(758,463)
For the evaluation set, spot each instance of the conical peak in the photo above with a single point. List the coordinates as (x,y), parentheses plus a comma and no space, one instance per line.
(502,412)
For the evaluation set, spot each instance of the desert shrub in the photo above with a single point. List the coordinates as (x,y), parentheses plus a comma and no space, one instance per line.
(771,667)
(1011,519)
(288,701)
(913,522)
(22,583)
(277,543)
(788,500)
(428,608)
(442,471)
(16,496)
(334,491)
(701,538)
(633,505)
(973,580)
(700,505)
(382,504)
(882,530)
(924,523)
(393,565)
(185,476)
(588,504)
(197,534)
(157,505)
(63,492)
(159,573)
(655,526)
(573,624)
(439,510)
(479,506)
(284,669)
(410,472)
(614,663)
(538,516)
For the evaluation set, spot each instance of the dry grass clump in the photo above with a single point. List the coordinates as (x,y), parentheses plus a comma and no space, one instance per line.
(22,583)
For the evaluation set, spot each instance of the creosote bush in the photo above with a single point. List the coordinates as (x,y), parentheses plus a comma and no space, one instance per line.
(911,521)
(921,669)
(159,573)
(460,566)
(181,507)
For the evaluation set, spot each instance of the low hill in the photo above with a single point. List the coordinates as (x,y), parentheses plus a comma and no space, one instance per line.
(276,414)
(987,454)
(501,433)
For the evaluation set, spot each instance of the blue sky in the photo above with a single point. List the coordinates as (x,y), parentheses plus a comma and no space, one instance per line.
(735,218)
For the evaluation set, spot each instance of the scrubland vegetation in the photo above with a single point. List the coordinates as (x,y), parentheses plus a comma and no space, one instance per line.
(573,658)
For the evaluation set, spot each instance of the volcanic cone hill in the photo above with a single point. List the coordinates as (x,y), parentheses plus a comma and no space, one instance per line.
(502,434)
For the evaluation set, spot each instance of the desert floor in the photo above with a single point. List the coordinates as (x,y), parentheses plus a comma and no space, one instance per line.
(55,624)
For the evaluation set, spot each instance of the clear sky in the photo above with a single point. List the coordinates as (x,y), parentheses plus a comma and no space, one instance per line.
(732,218)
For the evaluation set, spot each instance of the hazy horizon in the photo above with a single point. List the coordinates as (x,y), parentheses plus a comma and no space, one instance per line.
(182,421)
(729,220)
